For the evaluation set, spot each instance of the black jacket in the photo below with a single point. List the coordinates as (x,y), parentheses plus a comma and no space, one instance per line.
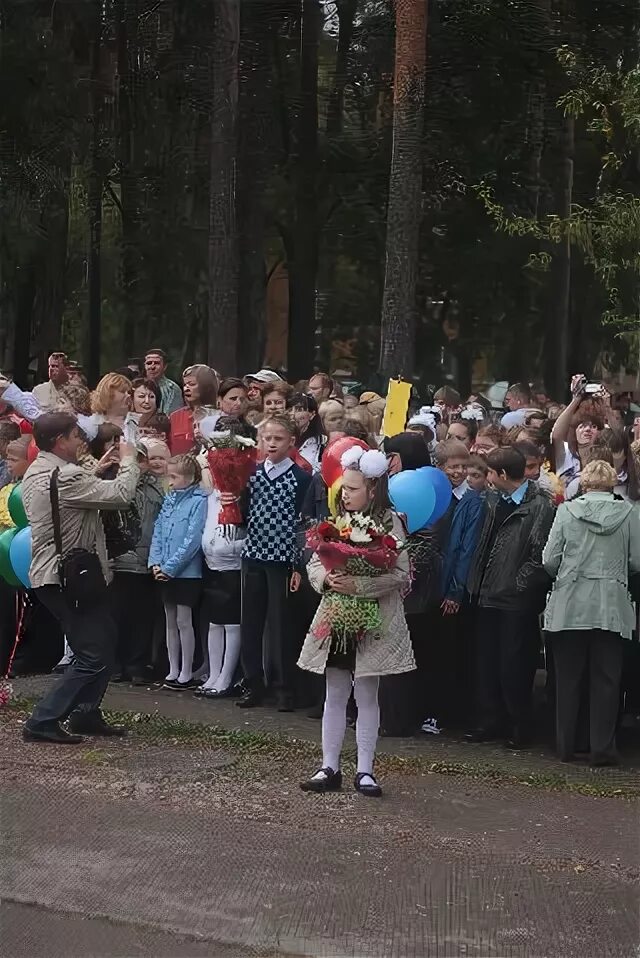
(509,575)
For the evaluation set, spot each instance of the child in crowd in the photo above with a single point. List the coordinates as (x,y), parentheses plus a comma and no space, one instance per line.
(9,431)
(158,456)
(270,564)
(364,490)
(222,547)
(310,441)
(17,465)
(477,470)
(175,558)
(133,586)
(455,533)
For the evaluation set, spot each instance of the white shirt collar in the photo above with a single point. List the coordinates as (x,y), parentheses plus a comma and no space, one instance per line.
(460,490)
(274,470)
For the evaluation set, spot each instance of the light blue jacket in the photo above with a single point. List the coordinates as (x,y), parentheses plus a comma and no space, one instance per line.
(177,535)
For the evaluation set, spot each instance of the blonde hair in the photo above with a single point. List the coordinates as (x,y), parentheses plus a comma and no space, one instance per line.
(188,466)
(330,405)
(19,447)
(102,396)
(598,476)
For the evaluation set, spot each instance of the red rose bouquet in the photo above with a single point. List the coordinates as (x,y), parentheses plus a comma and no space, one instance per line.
(232,462)
(359,546)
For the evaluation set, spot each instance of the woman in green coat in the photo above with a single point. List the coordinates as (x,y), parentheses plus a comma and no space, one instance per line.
(593,546)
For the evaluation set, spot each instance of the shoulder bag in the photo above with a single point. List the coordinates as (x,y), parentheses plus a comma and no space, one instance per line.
(81,576)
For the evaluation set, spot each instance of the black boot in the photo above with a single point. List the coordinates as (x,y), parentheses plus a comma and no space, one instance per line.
(92,723)
(52,732)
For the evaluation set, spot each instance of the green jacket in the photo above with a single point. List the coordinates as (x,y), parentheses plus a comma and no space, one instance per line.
(593,546)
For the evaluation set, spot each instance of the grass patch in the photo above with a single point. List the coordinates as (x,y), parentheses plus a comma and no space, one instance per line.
(157,728)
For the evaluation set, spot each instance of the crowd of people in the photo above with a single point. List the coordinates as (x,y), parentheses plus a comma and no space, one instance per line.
(532,563)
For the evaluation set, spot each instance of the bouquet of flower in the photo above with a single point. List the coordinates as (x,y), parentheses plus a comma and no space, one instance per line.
(359,546)
(232,461)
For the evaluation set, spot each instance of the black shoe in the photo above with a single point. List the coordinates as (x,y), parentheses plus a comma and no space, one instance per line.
(50,733)
(604,761)
(215,694)
(177,686)
(519,740)
(251,699)
(371,791)
(87,724)
(141,680)
(332,782)
(286,703)
(316,712)
(482,735)
(117,678)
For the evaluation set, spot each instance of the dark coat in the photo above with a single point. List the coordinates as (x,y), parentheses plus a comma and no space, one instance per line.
(463,537)
(509,574)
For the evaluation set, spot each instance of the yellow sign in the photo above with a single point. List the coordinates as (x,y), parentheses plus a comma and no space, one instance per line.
(395,412)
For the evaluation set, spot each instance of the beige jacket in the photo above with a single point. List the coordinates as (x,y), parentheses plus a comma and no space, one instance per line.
(46,395)
(390,654)
(81,496)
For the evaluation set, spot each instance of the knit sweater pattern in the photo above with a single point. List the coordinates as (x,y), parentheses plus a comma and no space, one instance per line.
(274,510)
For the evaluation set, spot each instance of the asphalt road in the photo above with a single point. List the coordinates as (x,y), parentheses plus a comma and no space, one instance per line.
(127,849)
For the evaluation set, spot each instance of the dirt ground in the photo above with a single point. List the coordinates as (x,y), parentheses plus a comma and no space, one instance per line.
(168,845)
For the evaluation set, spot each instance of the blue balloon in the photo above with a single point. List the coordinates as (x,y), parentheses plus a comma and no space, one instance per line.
(20,555)
(443,491)
(414,496)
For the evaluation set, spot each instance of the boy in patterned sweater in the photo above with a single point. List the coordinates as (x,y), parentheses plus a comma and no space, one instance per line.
(271,561)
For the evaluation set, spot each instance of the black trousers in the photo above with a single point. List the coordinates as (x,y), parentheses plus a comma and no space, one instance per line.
(599,654)
(507,646)
(265,602)
(92,635)
(133,596)
(402,702)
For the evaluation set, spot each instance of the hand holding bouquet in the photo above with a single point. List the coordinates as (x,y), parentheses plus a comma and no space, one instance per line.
(351,545)
(232,462)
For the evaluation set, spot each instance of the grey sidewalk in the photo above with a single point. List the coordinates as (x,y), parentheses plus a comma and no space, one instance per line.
(224,847)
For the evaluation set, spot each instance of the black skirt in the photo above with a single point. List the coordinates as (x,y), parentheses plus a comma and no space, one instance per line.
(222,596)
(182,592)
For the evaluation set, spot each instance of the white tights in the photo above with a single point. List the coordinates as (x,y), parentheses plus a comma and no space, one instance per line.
(181,642)
(224,652)
(334,718)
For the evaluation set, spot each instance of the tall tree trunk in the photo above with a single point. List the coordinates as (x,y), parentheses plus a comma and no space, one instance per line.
(95,212)
(255,157)
(223,240)
(126,28)
(560,314)
(303,264)
(335,109)
(405,191)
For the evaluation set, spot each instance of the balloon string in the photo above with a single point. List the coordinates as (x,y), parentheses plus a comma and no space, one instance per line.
(21,604)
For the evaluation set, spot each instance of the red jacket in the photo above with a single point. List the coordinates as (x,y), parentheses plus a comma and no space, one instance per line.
(181,439)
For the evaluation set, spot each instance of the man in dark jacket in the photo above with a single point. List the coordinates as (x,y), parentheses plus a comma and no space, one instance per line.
(509,585)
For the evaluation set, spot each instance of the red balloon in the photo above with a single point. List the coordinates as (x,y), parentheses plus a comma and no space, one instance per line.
(331,467)
(32,451)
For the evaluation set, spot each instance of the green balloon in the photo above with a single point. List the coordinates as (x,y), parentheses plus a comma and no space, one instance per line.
(16,507)
(6,569)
